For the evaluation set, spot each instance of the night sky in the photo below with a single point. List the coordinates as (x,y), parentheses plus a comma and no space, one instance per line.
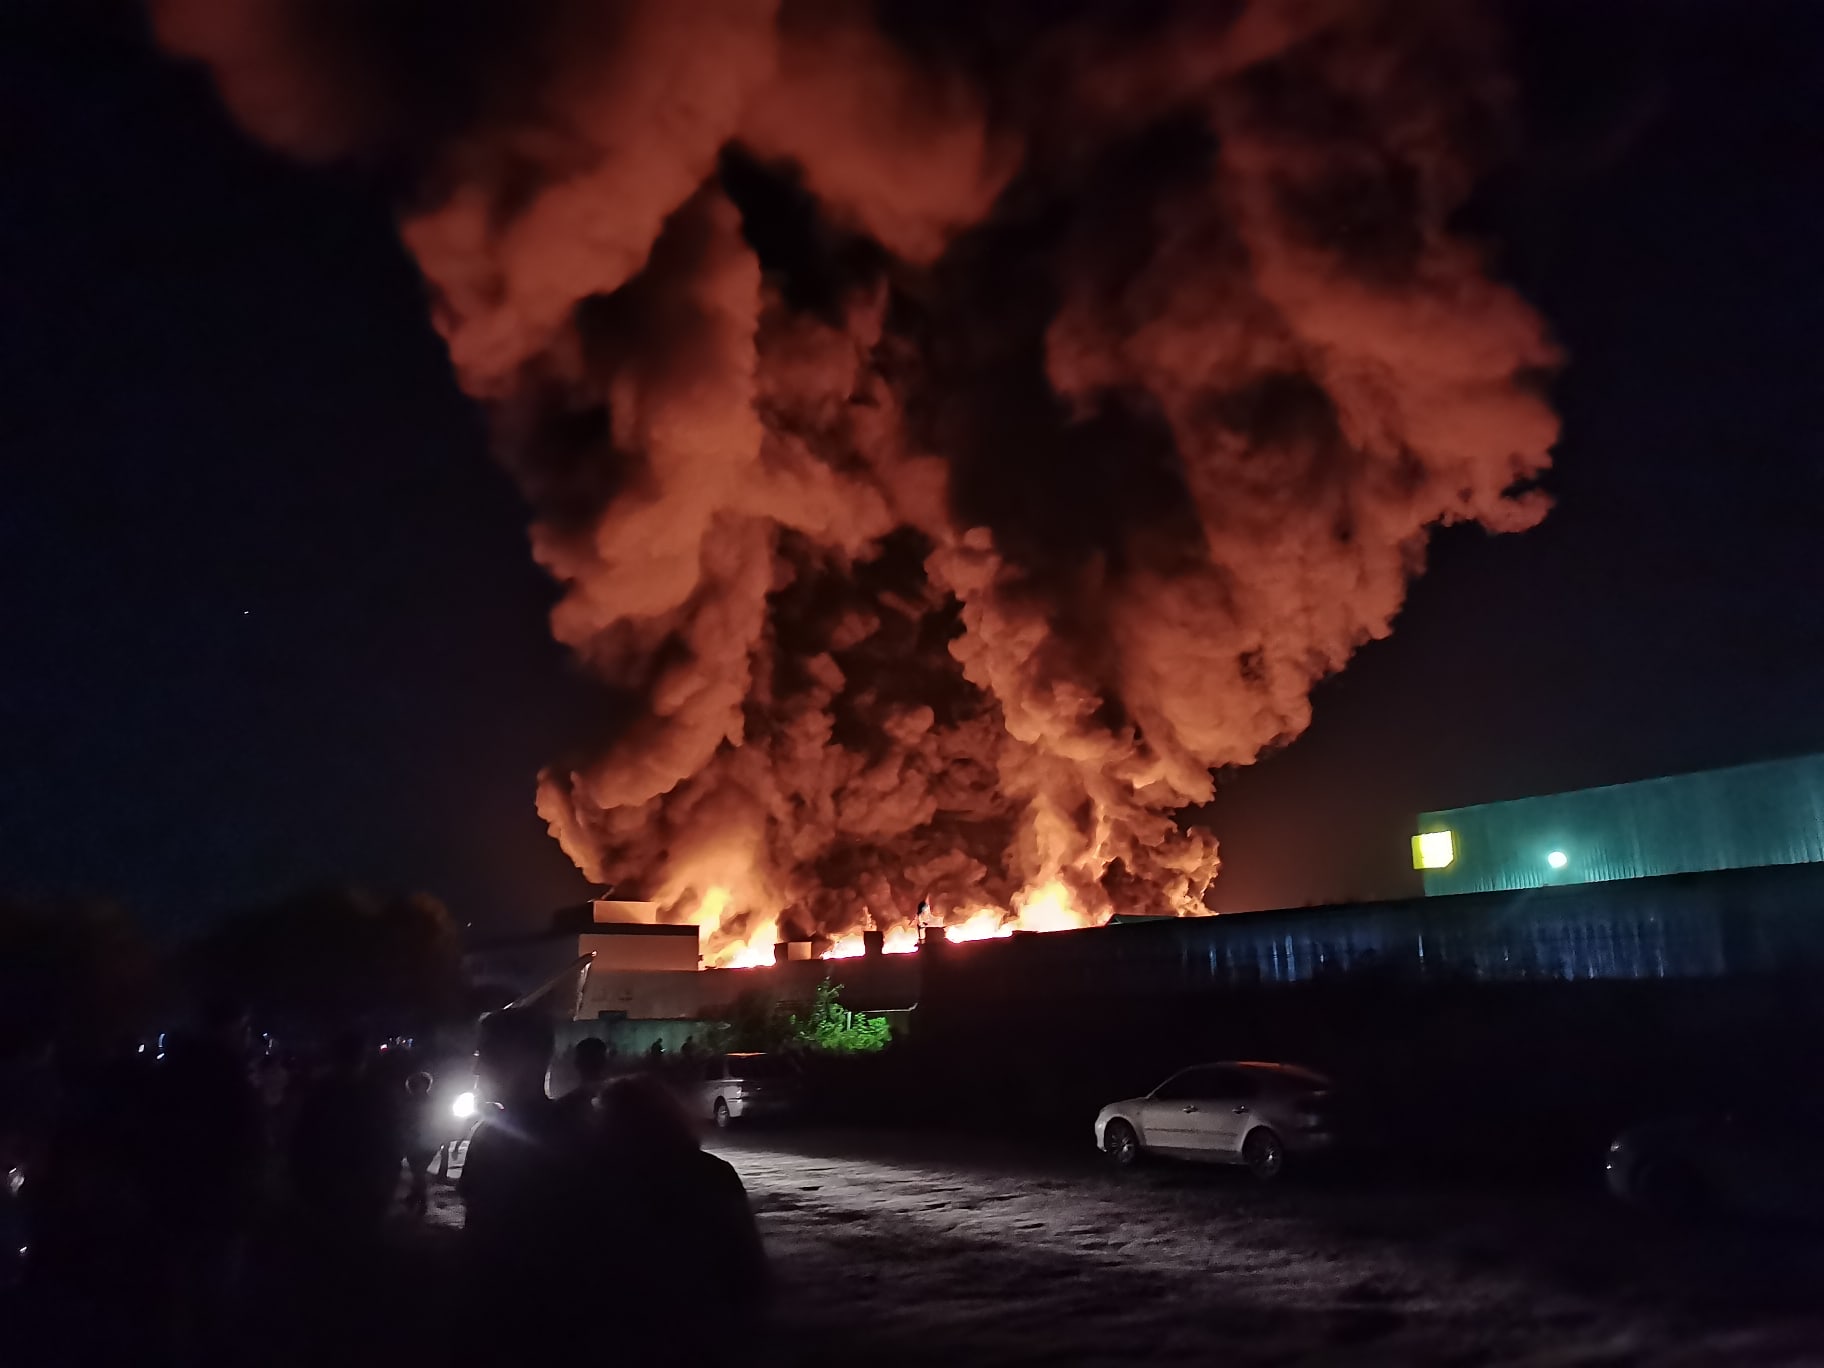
(268,615)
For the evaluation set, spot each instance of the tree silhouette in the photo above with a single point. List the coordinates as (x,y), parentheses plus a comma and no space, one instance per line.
(70,967)
(330,958)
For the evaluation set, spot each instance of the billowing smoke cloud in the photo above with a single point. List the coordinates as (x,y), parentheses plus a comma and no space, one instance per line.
(956,429)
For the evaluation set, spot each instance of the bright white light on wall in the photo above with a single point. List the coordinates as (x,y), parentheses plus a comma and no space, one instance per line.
(1434,849)
(1557,859)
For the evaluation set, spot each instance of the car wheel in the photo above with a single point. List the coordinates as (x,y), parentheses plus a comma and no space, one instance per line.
(723,1119)
(1121,1144)
(1264,1155)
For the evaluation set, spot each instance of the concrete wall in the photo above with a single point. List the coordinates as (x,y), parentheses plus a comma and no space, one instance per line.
(869,983)
(630,1039)
(637,948)
(888,984)
(651,973)
(645,995)
(609,910)
(524,964)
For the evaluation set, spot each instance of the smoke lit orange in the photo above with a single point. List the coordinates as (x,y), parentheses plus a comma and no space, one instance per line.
(943,481)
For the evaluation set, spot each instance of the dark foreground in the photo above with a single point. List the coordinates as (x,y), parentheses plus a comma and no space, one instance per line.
(934,1251)
(915,1249)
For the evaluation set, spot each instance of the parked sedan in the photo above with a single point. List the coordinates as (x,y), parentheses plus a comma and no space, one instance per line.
(739,1086)
(1247,1113)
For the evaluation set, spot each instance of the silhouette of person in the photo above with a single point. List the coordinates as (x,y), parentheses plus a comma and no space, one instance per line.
(97,1216)
(423,1136)
(589,1062)
(522,1184)
(206,1159)
(345,1150)
(673,1206)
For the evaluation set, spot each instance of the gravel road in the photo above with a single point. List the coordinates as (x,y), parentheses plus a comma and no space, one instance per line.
(914,1250)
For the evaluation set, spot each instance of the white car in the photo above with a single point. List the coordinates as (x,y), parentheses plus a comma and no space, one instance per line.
(737,1086)
(1231,1113)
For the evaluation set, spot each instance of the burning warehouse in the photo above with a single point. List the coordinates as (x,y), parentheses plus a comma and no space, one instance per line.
(1711,875)
(637,980)
(954,433)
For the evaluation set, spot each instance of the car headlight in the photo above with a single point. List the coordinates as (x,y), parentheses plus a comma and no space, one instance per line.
(15,1179)
(464,1106)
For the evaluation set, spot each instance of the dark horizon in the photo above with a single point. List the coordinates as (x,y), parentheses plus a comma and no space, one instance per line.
(271,618)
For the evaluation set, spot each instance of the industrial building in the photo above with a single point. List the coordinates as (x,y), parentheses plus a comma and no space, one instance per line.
(639,980)
(1711,875)
(636,967)
(1743,817)
(1689,877)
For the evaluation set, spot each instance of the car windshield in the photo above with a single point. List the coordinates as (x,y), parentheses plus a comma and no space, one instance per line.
(759,1067)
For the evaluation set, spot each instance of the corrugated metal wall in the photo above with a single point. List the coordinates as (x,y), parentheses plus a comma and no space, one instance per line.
(1688,926)
(1740,818)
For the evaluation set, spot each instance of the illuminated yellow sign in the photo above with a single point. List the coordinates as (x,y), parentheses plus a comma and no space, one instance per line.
(1434,849)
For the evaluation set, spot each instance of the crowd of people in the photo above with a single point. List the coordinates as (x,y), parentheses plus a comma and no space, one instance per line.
(606,1188)
(207,1203)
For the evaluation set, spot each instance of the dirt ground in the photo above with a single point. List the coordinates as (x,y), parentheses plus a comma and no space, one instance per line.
(900,1249)
(921,1250)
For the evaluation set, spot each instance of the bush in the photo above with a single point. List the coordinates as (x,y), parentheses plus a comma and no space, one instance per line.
(832,1027)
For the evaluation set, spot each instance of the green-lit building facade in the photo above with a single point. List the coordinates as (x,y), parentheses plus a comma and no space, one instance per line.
(1744,817)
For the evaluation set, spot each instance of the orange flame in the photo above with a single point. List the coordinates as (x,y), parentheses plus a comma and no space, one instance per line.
(984,924)
(751,955)
(753,950)
(1046,907)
